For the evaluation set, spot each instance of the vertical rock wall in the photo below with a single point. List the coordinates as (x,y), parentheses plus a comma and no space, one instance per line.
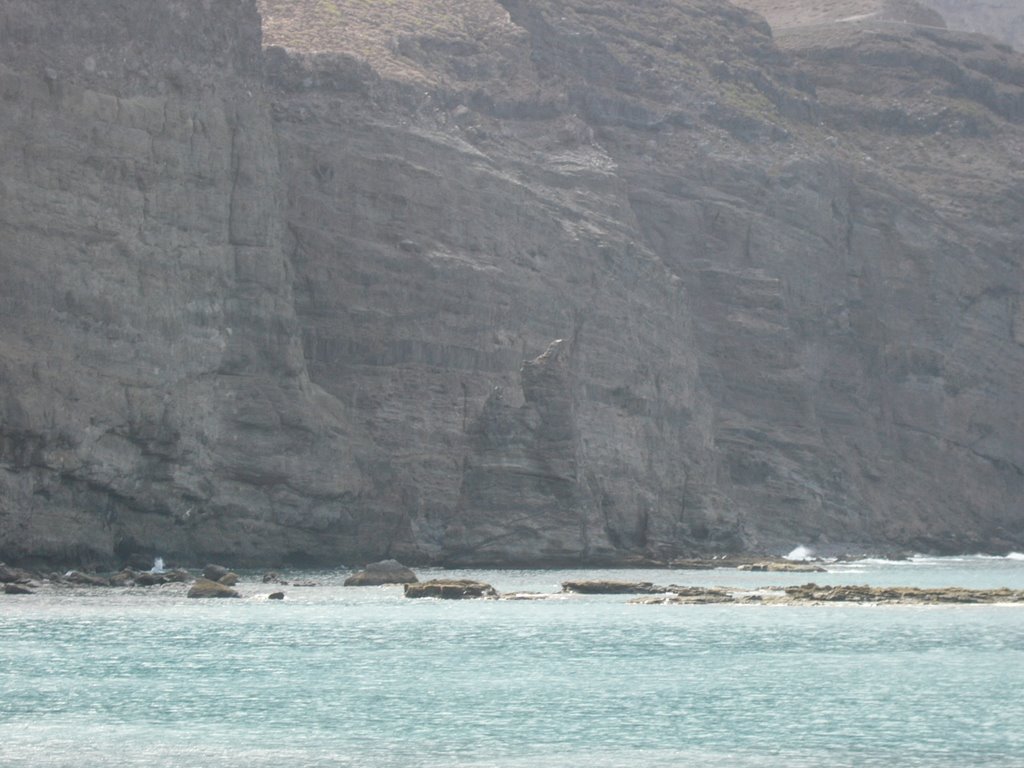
(272,307)
(154,395)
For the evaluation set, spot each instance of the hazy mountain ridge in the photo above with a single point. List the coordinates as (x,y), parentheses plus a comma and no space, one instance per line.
(274,306)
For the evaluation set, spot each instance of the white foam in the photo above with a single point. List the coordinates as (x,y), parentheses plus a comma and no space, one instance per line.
(1015,556)
(800,553)
(158,566)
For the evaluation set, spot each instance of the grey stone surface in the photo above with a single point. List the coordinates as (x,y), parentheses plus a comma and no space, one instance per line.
(274,308)
(383,572)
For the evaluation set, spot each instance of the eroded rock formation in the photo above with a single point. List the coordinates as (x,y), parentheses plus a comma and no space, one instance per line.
(268,305)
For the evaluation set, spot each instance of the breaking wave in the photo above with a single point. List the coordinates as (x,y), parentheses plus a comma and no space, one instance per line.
(800,553)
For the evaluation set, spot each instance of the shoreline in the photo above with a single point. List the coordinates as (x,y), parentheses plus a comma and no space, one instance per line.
(219,582)
(139,562)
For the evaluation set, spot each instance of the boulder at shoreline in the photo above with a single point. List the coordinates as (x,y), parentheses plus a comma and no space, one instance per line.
(450,589)
(814,594)
(85,579)
(215,572)
(383,572)
(9,575)
(783,567)
(607,587)
(207,588)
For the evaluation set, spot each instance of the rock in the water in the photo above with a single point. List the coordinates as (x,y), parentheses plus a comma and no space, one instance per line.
(606,587)
(528,596)
(275,596)
(149,579)
(9,575)
(229,579)
(813,593)
(384,572)
(688,596)
(177,575)
(450,589)
(85,579)
(207,588)
(273,577)
(10,588)
(772,567)
(215,572)
(123,578)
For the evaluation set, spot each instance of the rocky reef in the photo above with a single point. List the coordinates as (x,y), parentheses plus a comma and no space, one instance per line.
(270,283)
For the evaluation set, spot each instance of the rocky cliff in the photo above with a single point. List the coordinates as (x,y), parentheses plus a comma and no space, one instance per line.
(476,282)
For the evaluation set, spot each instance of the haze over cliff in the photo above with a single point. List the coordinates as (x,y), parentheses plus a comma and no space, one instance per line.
(470,281)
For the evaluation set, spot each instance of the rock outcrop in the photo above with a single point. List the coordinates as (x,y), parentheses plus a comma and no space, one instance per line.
(383,572)
(598,587)
(450,589)
(204,588)
(272,306)
(9,575)
(782,567)
(813,594)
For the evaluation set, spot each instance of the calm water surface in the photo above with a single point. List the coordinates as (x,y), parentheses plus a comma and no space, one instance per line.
(337,676)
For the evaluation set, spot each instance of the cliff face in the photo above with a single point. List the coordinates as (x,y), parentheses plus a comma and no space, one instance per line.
(275,305)
(154,394)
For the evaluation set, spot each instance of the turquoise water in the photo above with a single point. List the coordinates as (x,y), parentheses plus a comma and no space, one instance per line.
(336,676)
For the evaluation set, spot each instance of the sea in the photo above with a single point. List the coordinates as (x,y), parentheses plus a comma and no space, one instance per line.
(336,676)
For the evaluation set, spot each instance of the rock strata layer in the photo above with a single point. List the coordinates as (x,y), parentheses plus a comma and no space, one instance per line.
(521,282)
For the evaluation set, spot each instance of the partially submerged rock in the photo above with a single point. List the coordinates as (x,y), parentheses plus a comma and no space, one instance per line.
(85,579)
(207,588)
(782,567)
(146,579)
(676,595)
(9,575)
(450,589)
(609,587)
(127,577)
(383,572)
(177,575)
(813,593)
(275,596)
(215,572)
(228,579)
(123,578)
(528,596)
(12,588)
(746,563)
